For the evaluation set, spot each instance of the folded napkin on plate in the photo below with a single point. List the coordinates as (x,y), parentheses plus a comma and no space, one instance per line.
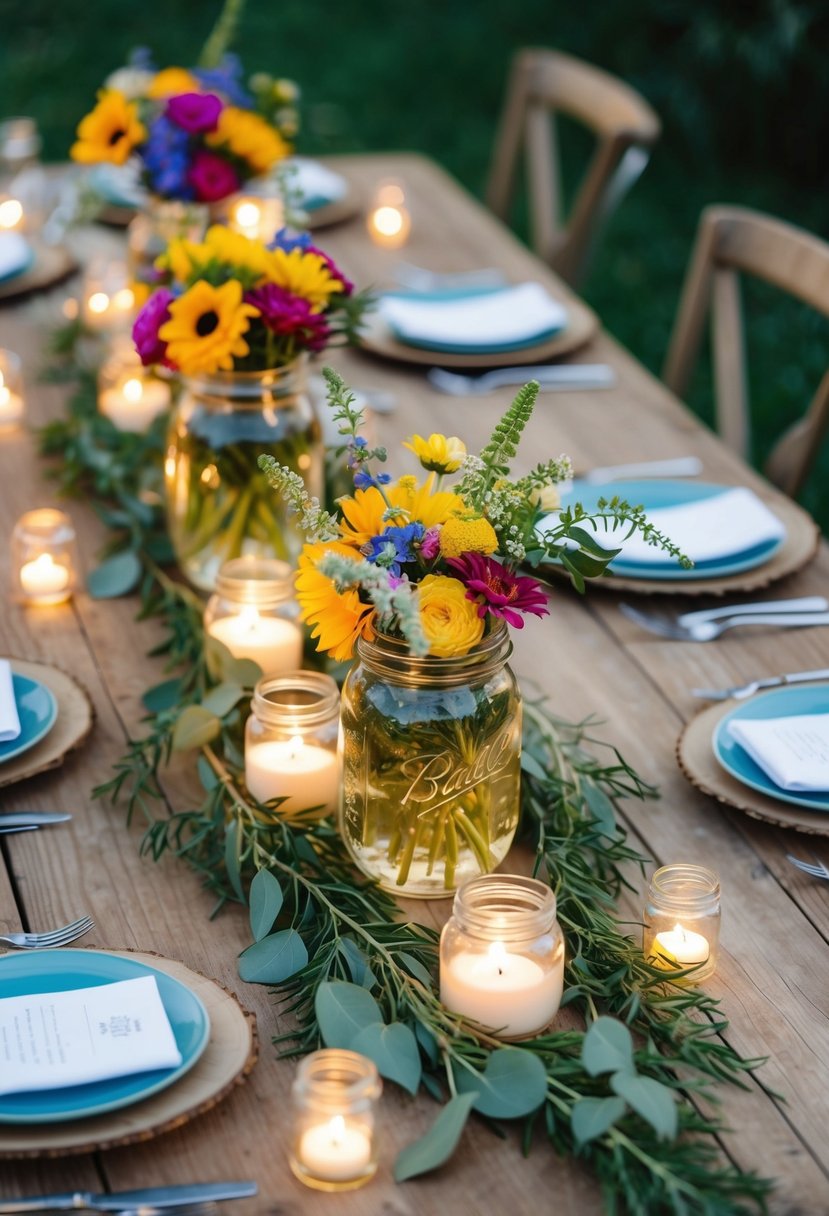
(15,254)
(481,321)
(119,184)
(316,184)
(49,1040)
(9,718)
(793,752)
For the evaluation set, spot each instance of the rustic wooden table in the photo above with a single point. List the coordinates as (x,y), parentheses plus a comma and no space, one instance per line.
(773,976)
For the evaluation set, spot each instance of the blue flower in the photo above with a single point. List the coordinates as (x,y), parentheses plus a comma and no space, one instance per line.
(393,547)
(167,159)
(141,57)
(227,80)
(287,240)
(364,481)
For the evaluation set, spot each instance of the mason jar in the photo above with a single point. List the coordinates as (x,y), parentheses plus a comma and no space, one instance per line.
(431,752)
(502,955)
(151,231)
(334,1142)
(682,920)
(219,503)
(254,614)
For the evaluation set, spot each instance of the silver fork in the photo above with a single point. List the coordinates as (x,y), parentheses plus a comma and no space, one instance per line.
(51,939)
(565,376)
(817,870)
(707,631)
(739,692)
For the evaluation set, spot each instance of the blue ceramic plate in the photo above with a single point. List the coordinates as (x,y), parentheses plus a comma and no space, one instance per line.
(653,494)
(778,703)
(37,710)
(21,266)
(454,348)
(64,970)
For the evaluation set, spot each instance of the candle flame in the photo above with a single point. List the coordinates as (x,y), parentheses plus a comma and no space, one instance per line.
(98,302)
(43,563)
(296,746)
(337,1127)
(123,299)
(388,221)
(249,619)
(498,955)
(248,214)
(11,213)
(133,391)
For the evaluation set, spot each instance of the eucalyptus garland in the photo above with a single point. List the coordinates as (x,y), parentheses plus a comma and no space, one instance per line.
(630,1095)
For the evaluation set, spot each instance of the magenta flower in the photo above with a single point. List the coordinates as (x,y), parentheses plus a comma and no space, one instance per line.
(290,316)
(430,544)
(195,112)
(212,177)
(147,324)
(497,589)
(333,269)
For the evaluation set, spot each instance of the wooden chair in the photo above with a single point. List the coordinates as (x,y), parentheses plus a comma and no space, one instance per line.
(730,241)
(541,84)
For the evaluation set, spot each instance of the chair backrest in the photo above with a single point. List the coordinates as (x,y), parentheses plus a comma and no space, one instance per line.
(541,84)
(731,241)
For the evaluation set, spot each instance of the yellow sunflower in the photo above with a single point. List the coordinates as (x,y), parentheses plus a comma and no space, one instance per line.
(205,329)
(249,137)
(338,617)
(241,252)
(304,274)
(449,620)
(181,258)
(171,81)
(109,132)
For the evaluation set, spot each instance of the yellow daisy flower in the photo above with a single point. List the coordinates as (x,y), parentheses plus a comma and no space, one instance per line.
(449,620)
(205,329)
(171,81)
(109,132)
(438,453)
(303,274)
(363,513)
(467,535)
(338,617)
(249,137)
(424,506)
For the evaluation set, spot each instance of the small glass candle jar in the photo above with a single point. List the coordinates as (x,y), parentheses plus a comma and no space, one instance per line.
(254,614)
(258,216)
(129,394)
(43,557)
(291,742)
(389,222)
(502,955)
(11,390)
(108,299)
(682,920)
(334,1146)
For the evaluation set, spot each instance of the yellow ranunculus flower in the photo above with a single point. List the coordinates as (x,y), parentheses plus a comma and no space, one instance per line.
(338,618)
(438,453)
(546,498)
(109,132)
(467,535)
(449,620)
(204,332)
(304,274)
(171,81)
(249,137)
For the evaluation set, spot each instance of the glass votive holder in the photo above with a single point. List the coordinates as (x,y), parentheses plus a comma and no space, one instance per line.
(334,1145)
(291,742)
(682,920)
(43,557)
(254,614)
(129,394)
(502,955)
(19,144)
(389,222)
(108,300)
(12,403)
(258,216)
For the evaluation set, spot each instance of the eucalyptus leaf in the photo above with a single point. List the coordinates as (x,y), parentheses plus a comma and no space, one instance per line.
(232,861)
(607,1047)
(207,776)
(355,960)
(651,1099)
(427,1041)
(439,1143)
(163,696)
(530,765)
(195,727)
(592,1117)
(394,1050)
(343,1010)
(221,699)
(601,808)
(116,576)
(273,960)
(265,899)
(513,1083)
(415,968)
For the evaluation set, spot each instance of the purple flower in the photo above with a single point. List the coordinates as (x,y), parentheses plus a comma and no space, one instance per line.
(147,324)
(332,268)
(393,547)
(194,112)
(364,481)
(497,589)
(288,315)
(212,177)
(430,544)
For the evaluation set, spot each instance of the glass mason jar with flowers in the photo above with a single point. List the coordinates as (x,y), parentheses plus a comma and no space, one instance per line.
(238,320)
(420,577)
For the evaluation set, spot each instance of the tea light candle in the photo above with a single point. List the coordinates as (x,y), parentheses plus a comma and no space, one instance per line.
(257,217)
(272,642)
(682,947)
(11,390)
(11,215)
(679,895)
(336,1151)
(134,400)
(305,773)
(335,1093)
(508,992)
(43,550)
(108,298)
(44,577)
(389,222)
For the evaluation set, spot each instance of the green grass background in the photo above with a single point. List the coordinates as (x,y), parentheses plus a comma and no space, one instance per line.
(741,88)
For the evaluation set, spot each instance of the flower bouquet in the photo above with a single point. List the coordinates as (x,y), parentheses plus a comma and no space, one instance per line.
(421,576)
(237,319)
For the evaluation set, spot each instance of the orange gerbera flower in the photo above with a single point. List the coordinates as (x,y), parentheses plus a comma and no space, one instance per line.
(338,618)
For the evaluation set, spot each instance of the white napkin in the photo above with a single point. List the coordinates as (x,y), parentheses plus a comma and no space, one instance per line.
(49,1040)
(317,185)
(793,752)
(119,184)
(9,718)
(481,321)
(15,254)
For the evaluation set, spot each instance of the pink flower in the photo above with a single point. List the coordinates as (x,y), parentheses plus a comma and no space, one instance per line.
(288,315)
(212,177)
(333,269)
(195,112)
(497,589)
(147,324)
(430,544)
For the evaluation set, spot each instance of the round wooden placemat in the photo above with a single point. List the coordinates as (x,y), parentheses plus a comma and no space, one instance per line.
(229,1057)
(52,264)
(119,215)
(695,756)
(582,325)
(74,722)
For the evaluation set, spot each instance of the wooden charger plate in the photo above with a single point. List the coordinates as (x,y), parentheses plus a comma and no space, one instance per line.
(115,215)
(230,1055)
(52,264)
(695,756)
(74,722)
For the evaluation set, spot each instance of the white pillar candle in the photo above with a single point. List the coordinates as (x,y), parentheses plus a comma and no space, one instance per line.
(336,1151)
(272,642)
(44,578)
(682,947)
(133,403)
(303,772)
(507,992)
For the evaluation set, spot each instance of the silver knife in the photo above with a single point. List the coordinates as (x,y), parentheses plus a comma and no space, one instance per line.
(118,1201)
(32,819)
(29,827)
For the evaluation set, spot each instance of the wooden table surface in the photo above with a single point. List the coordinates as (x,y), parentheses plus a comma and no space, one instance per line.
(773,975)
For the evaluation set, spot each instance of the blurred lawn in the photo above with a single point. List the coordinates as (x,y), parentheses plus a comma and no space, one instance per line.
(742,94)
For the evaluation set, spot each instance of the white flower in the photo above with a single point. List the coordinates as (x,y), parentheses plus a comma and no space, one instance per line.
(132,82)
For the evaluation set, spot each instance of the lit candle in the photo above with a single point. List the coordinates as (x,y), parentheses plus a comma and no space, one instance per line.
(336,1151)
(11,215)
(272,642)
(259,218)
(108,299)
(45,580)
(292,769)
(389,222)
(43,557)
(503,990)
(680,947)
(134,401)
(11,396)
